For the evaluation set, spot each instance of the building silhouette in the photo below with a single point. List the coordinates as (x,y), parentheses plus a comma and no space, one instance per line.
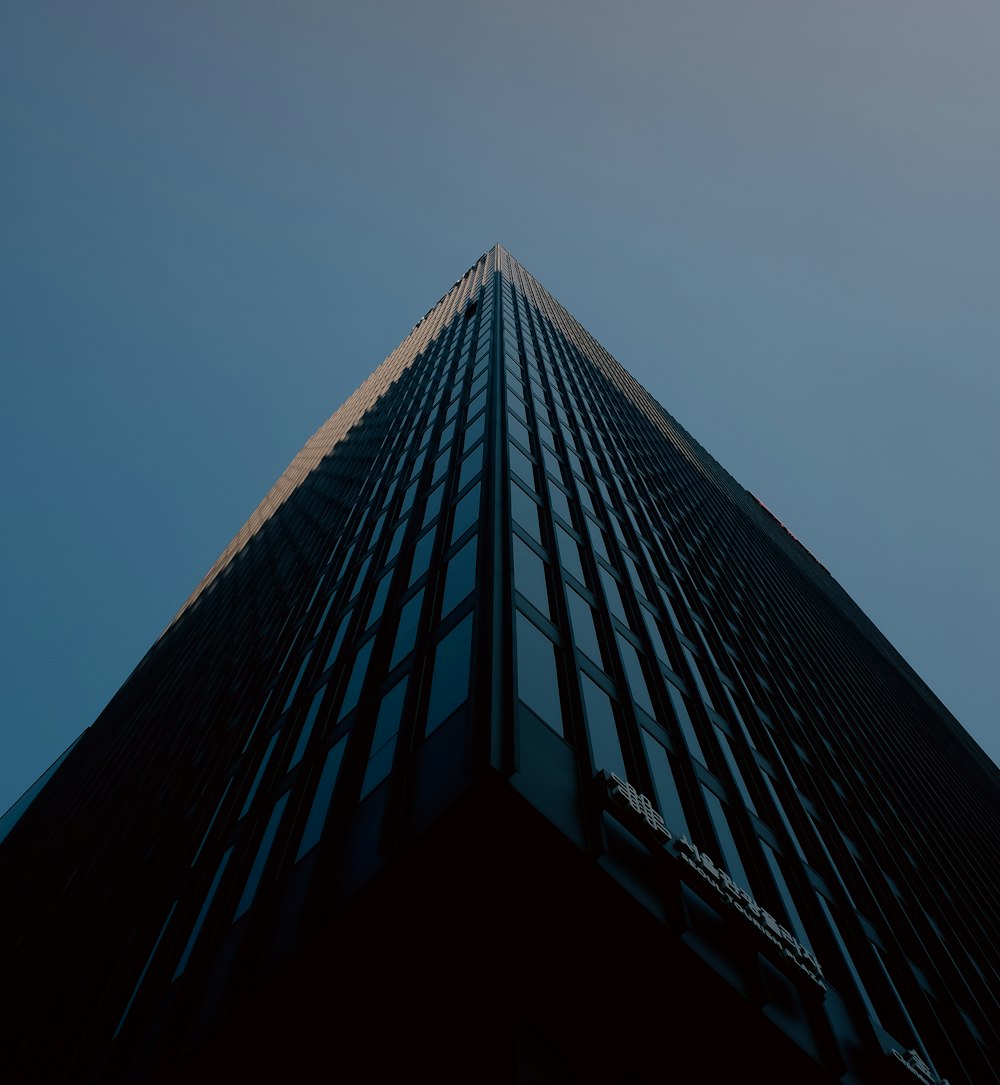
(510,740)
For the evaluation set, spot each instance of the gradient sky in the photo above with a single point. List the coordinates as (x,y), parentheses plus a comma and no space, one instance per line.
(219,217)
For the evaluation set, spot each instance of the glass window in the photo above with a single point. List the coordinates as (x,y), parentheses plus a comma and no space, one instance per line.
(362,573)
(440,466)
(474,431)
(537,677)
(460,578)
(450,684)
(696,675)
(786,896)
(433,505)
(357,678)
(411,491)
(338,640)
(471,466)
(406,635)
(253,879)
(145,968)
(229,784)
(614,595)
(321,800)
(581,616)
(517,430)
(734,768)
(727,842)
(466,513)
(529,575)
(390,714)
(602,728)
(396,542)
(636,678)
(560,503)
(524,511)
(597,539)
(379,601)
(478,401)
(662,770)
(422,556)
(260,773)
(656,637)
(521,466)
(298,679)
(307,726)
(515,406)
(199,922)
(684,720)
(569,552)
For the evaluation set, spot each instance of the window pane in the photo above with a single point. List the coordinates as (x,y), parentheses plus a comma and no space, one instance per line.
(466,513)
(521,466)
(321,800)
(602,729)
(260,773)
(196,929)
(338,640)
(636,679)
(422,556)
(537,679)
(524,511)
(384,740)
(379,601)
(433,504)
(727,842)
(307,726)
(450,685)
(471,466)
(569,552)
(667,795)
(253,879)
(529,575)
(584,628)
(460,578)
(357,678)
(406,634)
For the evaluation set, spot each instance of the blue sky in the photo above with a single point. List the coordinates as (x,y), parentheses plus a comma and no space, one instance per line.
(782,218)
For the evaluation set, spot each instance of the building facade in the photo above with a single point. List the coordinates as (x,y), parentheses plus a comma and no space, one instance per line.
(510,740)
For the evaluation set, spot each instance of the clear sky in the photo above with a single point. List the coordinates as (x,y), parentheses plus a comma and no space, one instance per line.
(218,218)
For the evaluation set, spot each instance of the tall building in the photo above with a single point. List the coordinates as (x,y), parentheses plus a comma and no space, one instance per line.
(510,740)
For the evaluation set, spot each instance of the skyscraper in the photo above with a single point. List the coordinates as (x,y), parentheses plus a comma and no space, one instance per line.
(510,740)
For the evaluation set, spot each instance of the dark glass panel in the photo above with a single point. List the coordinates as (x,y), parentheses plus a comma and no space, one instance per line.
(460,577)
(450,685)
(537,678)
(602,728)
(321,800)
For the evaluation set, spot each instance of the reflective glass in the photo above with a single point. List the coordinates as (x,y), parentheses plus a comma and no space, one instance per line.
(460,577)
(260,861)
(581,616)
(384,740)
(529,575)
(422,555)
(602,728)
(450,684)
(406,635)
(466,513)
(667,796)
(636,678)
(537,678)
(357,678)
(196,929)
(321,800)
